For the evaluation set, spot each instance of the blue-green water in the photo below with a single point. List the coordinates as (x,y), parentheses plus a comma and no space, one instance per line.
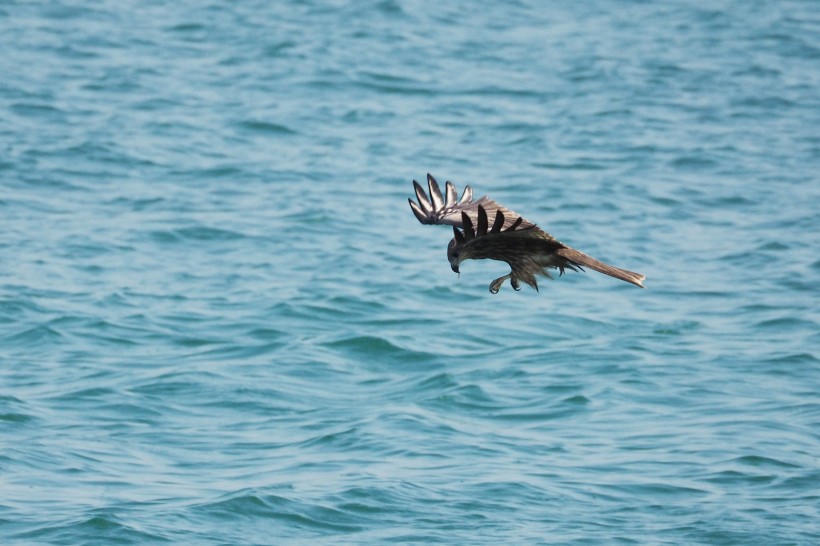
(220,322)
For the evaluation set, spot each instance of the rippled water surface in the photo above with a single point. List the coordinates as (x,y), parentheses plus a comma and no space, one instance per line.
(220,322)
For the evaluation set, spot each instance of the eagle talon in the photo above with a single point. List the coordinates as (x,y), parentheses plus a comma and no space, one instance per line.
(495,286)
(515,285)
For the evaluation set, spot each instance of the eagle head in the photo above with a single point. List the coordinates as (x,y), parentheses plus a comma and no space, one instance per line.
(454,255)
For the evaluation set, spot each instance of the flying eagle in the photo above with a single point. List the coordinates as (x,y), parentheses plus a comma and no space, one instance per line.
(527,249)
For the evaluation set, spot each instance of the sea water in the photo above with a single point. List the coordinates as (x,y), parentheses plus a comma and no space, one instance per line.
(220,322)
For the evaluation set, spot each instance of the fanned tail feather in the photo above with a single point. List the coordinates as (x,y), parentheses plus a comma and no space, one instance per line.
(588,261)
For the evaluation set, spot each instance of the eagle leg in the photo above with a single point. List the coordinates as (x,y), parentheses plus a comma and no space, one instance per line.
(514,282)
(495,286)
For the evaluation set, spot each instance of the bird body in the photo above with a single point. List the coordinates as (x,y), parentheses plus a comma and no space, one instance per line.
(526,248)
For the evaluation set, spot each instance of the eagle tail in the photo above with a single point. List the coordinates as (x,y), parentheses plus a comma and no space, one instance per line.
(582,259)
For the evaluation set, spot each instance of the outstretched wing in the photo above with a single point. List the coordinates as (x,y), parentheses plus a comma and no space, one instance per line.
(529,251)
(506,241)
(447,209)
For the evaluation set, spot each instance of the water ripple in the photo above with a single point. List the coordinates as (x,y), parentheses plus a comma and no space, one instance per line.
(221,324)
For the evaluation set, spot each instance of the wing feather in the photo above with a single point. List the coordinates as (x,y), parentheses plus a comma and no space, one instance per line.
(426,206)
(467,196)
(435,209)
(482,222)
(452,196)
(458,236)
(469,234)
(515,224)
(499,221)
(417,210)
(435,193)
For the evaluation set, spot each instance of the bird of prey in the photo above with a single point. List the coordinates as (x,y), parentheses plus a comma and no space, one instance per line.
(483,229)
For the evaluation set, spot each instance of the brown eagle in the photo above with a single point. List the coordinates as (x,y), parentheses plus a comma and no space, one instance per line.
(527,249)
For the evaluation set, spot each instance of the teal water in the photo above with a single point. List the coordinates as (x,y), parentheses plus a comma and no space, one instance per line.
(220,322)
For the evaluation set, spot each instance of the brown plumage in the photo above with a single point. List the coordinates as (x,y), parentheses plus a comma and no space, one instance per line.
(491,231)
